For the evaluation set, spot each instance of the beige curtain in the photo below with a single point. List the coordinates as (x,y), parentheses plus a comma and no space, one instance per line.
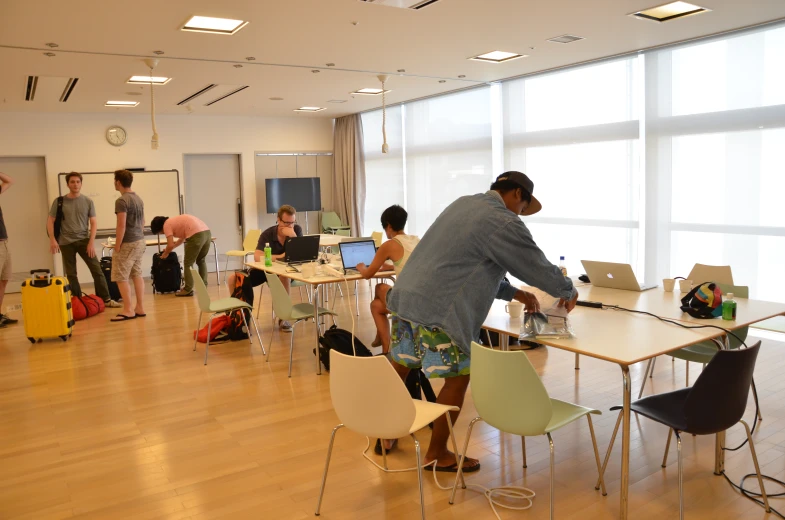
(349,172)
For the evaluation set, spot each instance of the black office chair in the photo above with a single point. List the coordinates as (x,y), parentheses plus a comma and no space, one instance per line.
(713,404)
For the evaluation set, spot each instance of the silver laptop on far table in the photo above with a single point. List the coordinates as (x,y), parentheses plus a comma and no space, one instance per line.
(357,252)
(613,276)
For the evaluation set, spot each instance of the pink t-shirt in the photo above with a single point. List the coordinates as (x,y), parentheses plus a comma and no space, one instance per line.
(183,226)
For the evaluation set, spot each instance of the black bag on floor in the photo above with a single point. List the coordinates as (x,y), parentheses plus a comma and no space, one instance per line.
(106,267)
(340,340)
(166,273)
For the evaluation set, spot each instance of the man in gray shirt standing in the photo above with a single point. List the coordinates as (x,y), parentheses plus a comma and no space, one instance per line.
(442,297)
(77,236)
(130,246)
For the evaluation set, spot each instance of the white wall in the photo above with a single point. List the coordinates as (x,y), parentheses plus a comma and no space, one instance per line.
(76,142)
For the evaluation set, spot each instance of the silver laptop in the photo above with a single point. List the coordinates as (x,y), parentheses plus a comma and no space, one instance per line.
(613,276)
(357,252)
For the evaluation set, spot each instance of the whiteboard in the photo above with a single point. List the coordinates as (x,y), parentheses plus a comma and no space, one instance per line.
(158,189)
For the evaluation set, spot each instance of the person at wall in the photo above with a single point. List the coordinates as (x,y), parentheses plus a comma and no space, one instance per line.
(397,250)
(77,237)
(442,297)
(129,247)
(285,227)
(197,238)
(5,254)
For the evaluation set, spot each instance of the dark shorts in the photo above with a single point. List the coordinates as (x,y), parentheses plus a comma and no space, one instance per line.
(428,348)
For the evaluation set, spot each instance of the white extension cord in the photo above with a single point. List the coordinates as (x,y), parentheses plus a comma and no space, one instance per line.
(492,494)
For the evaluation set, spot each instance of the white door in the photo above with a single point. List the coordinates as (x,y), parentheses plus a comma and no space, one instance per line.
(25,210)
(212,193)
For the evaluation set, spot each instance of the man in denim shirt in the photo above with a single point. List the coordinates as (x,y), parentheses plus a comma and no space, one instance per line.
(442,297)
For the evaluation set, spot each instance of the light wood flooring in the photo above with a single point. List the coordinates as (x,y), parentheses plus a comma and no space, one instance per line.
(124,421)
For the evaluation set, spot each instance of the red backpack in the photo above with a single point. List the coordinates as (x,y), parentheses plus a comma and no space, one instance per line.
(219,325)
(86,305)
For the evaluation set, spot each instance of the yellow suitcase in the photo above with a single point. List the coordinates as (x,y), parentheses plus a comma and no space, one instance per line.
(46,306)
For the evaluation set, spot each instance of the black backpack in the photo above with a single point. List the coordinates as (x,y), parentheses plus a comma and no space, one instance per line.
(106,267)
(166,273)
(340,340)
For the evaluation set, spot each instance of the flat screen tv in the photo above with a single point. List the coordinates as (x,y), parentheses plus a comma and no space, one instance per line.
(304,193)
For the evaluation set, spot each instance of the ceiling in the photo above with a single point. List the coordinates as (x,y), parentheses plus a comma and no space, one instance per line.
(102,43)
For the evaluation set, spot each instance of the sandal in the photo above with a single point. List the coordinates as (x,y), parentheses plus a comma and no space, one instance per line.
(123,317)
(453,468)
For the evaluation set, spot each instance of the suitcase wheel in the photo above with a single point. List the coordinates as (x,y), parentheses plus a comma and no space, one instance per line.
(32,340)
(64,338)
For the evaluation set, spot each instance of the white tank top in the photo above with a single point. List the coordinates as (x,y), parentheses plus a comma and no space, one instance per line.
(408,242)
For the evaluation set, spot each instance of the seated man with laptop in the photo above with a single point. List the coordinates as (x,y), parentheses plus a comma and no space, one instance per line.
(285,227)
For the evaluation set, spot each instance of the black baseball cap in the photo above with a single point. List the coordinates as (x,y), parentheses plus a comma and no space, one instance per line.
(522,180)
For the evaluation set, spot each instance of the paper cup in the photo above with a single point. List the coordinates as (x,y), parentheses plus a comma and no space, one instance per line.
(685,286)
(308,270)
(514,309)
(668,284)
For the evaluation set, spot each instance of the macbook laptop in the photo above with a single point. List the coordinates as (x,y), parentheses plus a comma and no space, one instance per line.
(299,250)
(613,276)
(357,252)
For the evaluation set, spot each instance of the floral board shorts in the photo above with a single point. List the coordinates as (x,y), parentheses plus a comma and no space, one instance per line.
(417,347)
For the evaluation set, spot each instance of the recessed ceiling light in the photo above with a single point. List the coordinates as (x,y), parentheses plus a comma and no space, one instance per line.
(211,25)
(369,91)
(462,75)
(671,11)
(52,45)
(401,70)
(276,99)
(330,64)
(237,66)
(158,52)
(127,104)
(337,101)
(146,80)
(565,38)
(498,56)
(316,71)
(309,109)
(442,81)
(49,54)
(250,58)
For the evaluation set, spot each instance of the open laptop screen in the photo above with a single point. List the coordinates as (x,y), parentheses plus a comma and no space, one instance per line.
(353,253)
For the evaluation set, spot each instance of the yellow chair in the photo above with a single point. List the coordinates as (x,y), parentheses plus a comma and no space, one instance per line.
(249,246)
(711,273)
(377,238)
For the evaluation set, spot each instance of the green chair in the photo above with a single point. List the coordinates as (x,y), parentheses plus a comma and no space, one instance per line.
(509,395)
(285,310)
(331,224)
(704,351)
(219,307)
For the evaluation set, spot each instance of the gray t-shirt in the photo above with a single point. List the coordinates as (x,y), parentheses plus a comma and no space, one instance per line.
(133,207)
(75,225)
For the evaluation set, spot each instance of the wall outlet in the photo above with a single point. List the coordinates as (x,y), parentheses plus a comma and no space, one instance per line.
(11,308)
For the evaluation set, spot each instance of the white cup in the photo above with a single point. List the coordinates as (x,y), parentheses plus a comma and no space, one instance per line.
(308,270)
(685,286)
(514,309)
(668,284)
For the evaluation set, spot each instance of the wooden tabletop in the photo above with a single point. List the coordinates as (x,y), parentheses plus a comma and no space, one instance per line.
(280,269)
(147,243)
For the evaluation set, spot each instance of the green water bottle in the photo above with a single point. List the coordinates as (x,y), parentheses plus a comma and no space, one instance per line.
(268,255)
(729,308)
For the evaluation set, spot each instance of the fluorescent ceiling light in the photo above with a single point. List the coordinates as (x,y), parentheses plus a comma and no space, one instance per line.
(370,91)
(207,24)
(309,109)
(498,56)
(128,104)
(671,11)
(146,80)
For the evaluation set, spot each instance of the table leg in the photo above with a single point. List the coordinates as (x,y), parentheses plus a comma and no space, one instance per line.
(316,293)
(719,453)
(577,361)
(625,446)
(217,269)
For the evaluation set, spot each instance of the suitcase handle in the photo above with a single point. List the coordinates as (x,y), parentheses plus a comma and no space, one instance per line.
(41,281)
(47,271)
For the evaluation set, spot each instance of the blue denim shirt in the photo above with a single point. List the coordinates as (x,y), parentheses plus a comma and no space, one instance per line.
(458,268)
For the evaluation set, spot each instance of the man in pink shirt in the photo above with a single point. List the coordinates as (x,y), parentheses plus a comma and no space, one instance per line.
(197,238)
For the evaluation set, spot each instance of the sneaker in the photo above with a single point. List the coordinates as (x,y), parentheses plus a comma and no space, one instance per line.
(285,326)
(7,320)
(183,292)
(113,304)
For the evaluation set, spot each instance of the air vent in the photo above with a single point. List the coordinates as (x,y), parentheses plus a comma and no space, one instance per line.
(233,92)
(32,85)
(402,4)
(567,38)
(69,87)
(198,93)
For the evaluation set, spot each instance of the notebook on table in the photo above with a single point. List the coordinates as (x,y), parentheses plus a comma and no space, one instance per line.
(358,252)
(613,276)
(299,250)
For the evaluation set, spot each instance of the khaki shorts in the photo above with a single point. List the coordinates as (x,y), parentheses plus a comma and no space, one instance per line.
(127,263)
(5,261)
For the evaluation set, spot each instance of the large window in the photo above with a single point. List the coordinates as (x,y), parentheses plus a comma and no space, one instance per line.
(384,179)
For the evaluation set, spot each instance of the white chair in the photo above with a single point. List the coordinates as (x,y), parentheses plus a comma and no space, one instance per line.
(711,273)
(249,246)
(370,398)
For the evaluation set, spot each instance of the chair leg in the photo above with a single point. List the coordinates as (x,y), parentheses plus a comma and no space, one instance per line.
(596,455)
(459,474)
(645,376)
(610,449)
(577,361)
(272,332)
(209,331)
(226,267)
(326,467)
(245,322)
(757,404)
(757,467)
(687,373)
(553,481)
(419,475)
(653,363)
(198,326)
(681,478)
(667,447)
(291,348)
(258,335)
(356,298)
(259,308)
(523,447)
(384,453)
(454,445)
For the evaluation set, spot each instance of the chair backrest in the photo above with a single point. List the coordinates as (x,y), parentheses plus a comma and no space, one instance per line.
(282,302)
(739,291)
(711,273)
(718,398)
(377,238)
(251,239)
(201,291)
(330,219)
(369,397)
(508,393)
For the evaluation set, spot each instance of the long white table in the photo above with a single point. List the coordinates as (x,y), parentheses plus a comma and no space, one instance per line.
(627,338)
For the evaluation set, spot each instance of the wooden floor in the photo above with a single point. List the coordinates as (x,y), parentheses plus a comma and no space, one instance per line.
(124,421)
